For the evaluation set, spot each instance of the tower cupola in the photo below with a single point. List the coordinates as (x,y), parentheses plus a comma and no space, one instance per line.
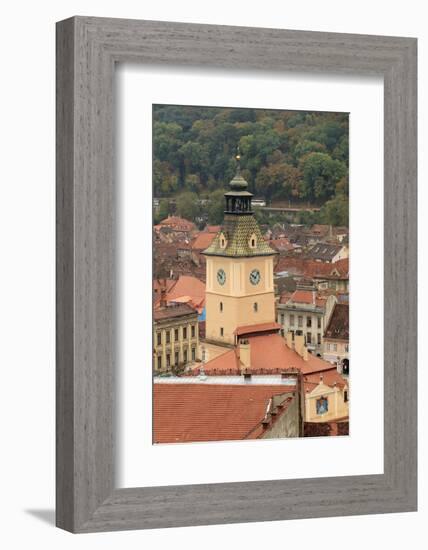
(238,199)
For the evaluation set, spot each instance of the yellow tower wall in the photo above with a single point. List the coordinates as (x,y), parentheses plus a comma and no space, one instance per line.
(238,296)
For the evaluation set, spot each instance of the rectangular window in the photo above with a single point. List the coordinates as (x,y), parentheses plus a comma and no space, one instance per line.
(193,354)
(221,331)
(159,362)
(176,334)
(346,348)
(168,336)
(308,322)
(309,337)
(176,358)
(334,347)
(291,320)
(185,355)
(159,338)
(328,347)
(300,321)
(184,333)
(319,322)
(168,360)
(319,339)
(282,318)
(345,396)
(193,331)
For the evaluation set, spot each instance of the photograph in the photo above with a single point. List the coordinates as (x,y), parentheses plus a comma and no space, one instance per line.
(251,291)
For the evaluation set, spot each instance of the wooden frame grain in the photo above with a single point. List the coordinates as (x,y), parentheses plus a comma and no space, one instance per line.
(87,50)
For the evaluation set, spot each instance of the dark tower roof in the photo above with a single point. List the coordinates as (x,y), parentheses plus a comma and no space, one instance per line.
(240,234)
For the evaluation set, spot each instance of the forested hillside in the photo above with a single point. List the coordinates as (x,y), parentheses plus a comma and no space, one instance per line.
(293,156)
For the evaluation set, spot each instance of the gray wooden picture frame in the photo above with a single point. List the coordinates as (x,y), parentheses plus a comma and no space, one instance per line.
(87,50)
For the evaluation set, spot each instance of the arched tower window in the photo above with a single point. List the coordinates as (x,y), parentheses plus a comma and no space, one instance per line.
(255,307)
(221,306)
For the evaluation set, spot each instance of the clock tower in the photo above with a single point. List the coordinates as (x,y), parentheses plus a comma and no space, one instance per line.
(239,269)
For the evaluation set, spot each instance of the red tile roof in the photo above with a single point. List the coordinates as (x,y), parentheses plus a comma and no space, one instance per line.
(178,224)
(327,377)
(172,311)
(312,269)
(210,412)
(202,240)
(261,327)
(270,354)
(186,289)
(281,244)
(303,297)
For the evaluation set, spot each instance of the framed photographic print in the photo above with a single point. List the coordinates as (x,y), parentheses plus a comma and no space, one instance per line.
(236,222)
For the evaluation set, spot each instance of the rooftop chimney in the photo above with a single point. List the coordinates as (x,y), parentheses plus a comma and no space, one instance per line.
(299,343)
(163,297)
(245,354)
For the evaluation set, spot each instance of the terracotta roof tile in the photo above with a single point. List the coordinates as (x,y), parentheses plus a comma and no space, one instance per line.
(261,327)
(172,311)
(178,224)
(269,354)
(210,412)
(203,240)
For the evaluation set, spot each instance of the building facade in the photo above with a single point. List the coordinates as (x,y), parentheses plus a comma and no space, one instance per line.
(303,313)
(175,337)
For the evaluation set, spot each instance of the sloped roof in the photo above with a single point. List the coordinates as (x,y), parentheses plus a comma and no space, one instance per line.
(312,269)
(324,251)
(204,412)
(269,353)
(177,223)
(281,244)
(338,325)
(238,230)
(173,311)
(307,297)
(202,240)
(261,327)
(186,289)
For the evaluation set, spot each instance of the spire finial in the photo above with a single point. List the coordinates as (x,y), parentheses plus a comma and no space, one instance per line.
(238,161)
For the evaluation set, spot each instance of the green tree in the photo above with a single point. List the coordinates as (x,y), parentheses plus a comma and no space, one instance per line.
(187,205)
(216,207)
(320,175)
(164,209)
(336,211)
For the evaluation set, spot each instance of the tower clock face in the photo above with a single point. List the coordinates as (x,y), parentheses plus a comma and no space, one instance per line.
(221,276)
(255,277)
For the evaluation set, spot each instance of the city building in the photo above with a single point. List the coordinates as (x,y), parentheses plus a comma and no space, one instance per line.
(262,351)
(336,337)
(175,336)
(302,312)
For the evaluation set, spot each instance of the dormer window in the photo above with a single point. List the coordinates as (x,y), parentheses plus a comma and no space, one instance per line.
(253,241)
(223,241)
